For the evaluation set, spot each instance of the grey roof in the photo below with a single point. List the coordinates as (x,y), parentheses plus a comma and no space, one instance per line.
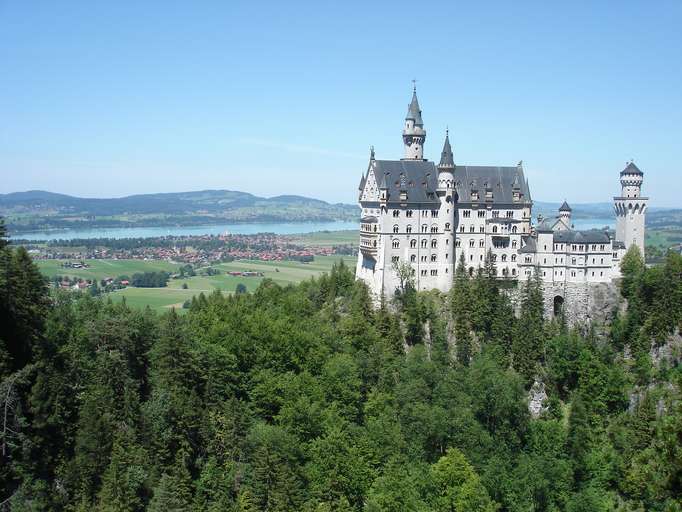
(419,178)
(499,180)
(618,245)
(590,236)
(369,219)
(413,111)
(446,157)
(631,168)
(565,208)
(363,180)
(530,244)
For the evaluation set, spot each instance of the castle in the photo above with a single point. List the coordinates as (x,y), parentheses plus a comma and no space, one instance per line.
(428,215)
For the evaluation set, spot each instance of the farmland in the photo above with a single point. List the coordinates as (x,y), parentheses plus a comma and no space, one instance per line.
(281,272)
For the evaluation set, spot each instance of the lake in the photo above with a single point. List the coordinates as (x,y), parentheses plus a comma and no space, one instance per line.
(281,228)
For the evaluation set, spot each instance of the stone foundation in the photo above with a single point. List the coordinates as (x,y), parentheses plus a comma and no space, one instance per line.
(582,303)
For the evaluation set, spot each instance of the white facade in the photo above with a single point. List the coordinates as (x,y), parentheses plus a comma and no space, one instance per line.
(427,216)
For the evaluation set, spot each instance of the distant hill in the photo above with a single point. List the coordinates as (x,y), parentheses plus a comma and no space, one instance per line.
(39,210)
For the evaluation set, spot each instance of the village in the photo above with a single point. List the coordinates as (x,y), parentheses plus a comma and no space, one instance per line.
(194,250)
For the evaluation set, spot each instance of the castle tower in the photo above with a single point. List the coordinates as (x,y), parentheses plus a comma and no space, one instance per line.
(565,214)
(630,208)
(414,133)
(446,167)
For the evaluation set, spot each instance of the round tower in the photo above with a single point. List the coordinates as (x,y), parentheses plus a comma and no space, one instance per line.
(630,208)
(414,134)
(446,167)
(565,214)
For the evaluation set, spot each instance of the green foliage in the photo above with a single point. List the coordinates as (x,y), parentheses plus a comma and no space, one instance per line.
(307,398)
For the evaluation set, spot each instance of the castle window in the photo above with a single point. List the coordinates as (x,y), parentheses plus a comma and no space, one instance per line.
(481,213)
(457,243)
(395,259)
(424,228)
(423,272)
(413,258)
(425,213)
(423,258)
(413,243)
(481,229)
(481,242)
(434,213)
(513,271)
(602,261)
(494,229)
(471,257)
(396,244)
(504,257)
(513,229)
(471,243)
(471,229)
(396,213)
(510,214)
(434,272)
(513,257)
(434,243)
(395,228)
(447,226)
(408,213)
(513,244)
(433,258)
(461,229)
(434,229)
(424,243)
(408,229)
(496,214)
(466,214)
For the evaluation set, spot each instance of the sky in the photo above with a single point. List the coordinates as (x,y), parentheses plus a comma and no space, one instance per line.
(106,99)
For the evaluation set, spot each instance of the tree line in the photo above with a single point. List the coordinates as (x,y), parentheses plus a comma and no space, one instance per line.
(308,398)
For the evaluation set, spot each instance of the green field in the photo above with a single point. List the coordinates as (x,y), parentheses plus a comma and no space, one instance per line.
(282,272)
(327,238)
(99,269)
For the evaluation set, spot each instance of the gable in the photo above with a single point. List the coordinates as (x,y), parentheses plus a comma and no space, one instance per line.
(370,192)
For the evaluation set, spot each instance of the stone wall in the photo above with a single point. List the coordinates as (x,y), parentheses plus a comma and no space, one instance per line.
(582,303)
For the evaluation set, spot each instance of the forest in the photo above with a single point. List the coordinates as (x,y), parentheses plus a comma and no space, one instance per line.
(306,398)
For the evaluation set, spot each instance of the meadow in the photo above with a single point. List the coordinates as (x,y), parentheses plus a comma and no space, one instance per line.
(281,272)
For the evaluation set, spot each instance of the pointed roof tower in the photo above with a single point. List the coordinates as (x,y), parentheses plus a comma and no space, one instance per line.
(565,208)
(413,111)
(447,159)
(631,168)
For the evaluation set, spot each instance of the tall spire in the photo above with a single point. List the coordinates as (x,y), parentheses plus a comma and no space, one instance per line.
(447,159)
(413,111)
(414,134)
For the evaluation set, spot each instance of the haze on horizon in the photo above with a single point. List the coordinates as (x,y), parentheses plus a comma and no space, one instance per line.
(121,98)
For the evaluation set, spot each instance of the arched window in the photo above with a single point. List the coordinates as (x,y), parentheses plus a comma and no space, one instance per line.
(457,242)
(513,229)
(447,226)
(425,228)
(481,243)
(434,243)
(513,257)
(424,243)
(513,244)
(471,243)
(434,229)
(494,229)
(395,228)
(408,229)
(504,257)
(413,258)
(396,213)
(413,243)
(396,244)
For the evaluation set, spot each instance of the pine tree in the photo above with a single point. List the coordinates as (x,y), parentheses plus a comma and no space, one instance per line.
(528,344)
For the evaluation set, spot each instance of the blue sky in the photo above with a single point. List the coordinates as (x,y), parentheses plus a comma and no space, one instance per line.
(113,98)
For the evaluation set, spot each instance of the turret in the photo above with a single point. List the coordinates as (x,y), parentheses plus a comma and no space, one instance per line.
(630,208)
(446,166)
(414,134)
(565,214)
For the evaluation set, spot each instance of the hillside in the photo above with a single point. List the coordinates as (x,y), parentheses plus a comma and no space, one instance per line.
(38,210)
